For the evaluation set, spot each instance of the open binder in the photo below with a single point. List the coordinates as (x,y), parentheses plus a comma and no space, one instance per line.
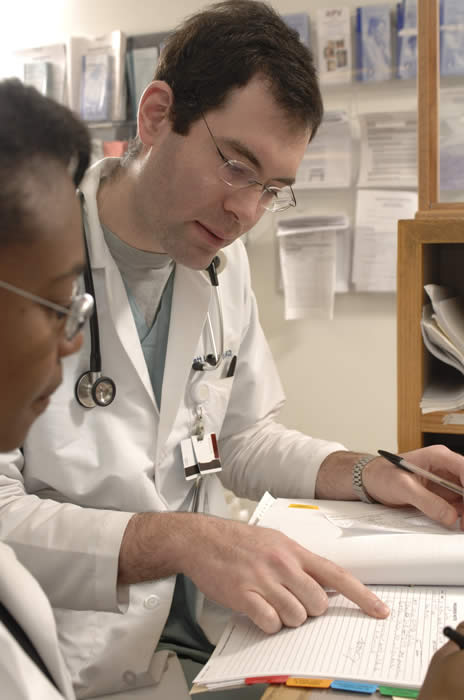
(411,561)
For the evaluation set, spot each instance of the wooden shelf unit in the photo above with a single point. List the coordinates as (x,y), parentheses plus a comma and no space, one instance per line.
(430,250)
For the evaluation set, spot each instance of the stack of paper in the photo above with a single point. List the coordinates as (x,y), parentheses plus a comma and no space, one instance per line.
(376,543)
(442,327)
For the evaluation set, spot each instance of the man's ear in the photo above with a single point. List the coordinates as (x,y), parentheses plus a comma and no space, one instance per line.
(154,111)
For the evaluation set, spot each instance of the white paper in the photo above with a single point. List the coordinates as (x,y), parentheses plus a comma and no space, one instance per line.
(444,393)
(375,238)
(308,259)
(388,150)
(328,158)
(55,55)
(379,519)
(387,557)
(334,45)
(344,642)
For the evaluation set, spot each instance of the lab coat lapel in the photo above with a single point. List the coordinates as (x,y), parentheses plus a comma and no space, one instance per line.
(124,323)
(105,268)
(36,618)
(190,302)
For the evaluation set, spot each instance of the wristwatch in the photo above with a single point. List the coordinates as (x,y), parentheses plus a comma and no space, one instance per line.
(358,486)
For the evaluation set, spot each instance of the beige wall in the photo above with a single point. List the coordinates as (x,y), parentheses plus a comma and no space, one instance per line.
(340,376)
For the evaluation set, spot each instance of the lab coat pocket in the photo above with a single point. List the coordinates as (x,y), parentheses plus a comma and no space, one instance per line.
(215,407)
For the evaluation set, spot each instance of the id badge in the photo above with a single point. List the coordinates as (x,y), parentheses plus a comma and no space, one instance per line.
(206,453)
(191,469)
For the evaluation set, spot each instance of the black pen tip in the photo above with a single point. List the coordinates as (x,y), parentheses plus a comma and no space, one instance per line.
(390,456)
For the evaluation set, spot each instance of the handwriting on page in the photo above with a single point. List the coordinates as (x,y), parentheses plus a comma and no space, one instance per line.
(346,643)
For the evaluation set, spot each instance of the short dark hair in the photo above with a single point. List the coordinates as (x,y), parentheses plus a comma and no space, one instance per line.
(34,131)
(223,47)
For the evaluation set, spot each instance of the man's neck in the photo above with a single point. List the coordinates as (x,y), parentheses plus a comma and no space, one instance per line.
(117,211)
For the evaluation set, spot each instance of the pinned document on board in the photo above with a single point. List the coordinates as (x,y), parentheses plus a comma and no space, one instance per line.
(308,248)
(375,237)
(388,150)
(328,159)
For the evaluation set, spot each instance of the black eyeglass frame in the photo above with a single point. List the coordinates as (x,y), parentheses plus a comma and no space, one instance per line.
(264,188)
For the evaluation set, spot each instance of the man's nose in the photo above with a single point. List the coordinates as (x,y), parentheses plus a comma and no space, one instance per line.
(244,204)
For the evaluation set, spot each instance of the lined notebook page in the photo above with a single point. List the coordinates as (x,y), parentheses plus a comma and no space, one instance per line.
(345,643)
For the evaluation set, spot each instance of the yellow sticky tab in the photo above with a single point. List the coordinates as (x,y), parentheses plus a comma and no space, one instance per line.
(309,682)
(303,505)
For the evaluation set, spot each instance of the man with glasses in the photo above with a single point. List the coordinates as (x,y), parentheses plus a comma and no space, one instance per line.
(41,313)
(221,132)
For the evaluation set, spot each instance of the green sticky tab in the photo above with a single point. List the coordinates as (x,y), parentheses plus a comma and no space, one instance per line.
(399,692)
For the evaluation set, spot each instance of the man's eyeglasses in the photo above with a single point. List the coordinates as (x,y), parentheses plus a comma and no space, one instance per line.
(236,174)
(79,310)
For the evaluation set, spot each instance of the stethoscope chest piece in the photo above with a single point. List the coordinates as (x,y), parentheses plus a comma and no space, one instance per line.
(92,389)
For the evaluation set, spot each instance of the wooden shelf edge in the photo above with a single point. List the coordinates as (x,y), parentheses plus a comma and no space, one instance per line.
(433,423)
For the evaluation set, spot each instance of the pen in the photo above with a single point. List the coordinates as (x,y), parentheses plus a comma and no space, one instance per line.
(407,466)
(231,370)
(456,636)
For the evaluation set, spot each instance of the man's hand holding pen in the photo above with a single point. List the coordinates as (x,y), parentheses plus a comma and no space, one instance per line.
(398,487)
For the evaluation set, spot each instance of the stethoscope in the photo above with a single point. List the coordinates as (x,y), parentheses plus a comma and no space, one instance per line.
(95,389)
(214,359)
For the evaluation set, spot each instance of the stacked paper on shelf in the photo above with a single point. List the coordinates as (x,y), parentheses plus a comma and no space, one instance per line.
(327,162)
(406,46)
(373,39)
(409,561)
(334,45)
(314,262)
(442,327)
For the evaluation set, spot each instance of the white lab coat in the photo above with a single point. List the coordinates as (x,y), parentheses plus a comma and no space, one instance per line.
(20,677)
(64,508)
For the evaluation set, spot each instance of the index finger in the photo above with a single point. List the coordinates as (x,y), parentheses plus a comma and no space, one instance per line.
(332,576)
(430,503)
